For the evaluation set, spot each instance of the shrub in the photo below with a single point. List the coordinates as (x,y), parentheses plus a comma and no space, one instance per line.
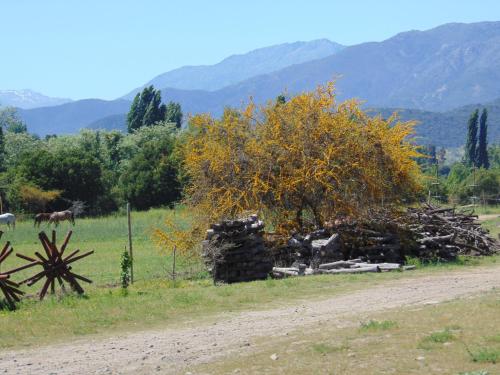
(125,265)
(300,162)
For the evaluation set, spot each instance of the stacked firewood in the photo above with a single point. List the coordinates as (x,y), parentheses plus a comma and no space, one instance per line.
(234,251)
(368,241)
(375,240)
(428,233)
(317,247)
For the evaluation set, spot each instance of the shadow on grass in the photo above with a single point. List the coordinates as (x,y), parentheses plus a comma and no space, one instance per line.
(5,306)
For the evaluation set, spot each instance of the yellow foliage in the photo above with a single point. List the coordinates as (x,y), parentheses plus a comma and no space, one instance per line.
(298,163)
(185,230)
(35,199)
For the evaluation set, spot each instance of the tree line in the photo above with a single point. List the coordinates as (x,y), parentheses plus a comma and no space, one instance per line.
(104,169)
(475,178)
(476,146)
(155,163)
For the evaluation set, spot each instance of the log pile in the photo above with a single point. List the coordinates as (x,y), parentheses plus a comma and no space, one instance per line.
(428,233)
(234,251)
(444,233)
(317,247)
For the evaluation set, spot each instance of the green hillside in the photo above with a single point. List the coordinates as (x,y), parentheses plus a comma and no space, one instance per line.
(447,129)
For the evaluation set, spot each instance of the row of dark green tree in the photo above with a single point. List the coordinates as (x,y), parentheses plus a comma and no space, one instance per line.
(476,146)
(147,109)
(475,178)
(104,169)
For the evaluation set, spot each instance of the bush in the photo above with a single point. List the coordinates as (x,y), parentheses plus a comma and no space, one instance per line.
(125,265)
(299,162)
(74,172)
(34,199)
(461,180)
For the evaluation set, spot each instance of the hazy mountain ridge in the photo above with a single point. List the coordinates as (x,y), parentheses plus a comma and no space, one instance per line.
(438,69)
(28,99)
(434,70)
(236,68)
(71,117)
(442,129)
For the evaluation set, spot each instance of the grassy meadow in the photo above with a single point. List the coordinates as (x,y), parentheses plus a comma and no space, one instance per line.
(108,237)
(154,300)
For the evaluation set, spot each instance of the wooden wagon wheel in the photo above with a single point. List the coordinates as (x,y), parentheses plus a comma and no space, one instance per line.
(9,288)
(54,265)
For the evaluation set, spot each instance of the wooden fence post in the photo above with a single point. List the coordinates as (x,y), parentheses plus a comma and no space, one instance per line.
(173,266)
(130,245)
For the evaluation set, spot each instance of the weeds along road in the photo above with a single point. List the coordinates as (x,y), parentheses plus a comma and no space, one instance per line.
(176,350)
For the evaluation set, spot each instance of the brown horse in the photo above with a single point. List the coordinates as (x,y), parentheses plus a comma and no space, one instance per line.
(57,217)
(42,216)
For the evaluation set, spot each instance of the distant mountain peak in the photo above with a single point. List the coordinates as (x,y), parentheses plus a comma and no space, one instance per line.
(239,67)
(28,99)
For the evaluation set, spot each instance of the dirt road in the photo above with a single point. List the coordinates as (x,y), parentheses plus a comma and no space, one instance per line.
(488,217)
(175,350)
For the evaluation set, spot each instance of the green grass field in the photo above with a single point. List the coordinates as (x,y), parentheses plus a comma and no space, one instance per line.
(154,300)
(107,236)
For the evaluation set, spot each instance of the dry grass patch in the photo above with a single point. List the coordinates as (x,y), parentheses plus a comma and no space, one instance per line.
(455,337)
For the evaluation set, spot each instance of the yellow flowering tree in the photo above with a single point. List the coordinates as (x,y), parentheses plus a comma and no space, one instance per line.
(298,163)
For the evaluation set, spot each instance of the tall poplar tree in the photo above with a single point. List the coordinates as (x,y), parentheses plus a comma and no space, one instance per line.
(482,148)
(155,111)
(471,145)
(146,109)
(174,114)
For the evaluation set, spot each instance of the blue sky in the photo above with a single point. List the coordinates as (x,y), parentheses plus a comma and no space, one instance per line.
(105,48)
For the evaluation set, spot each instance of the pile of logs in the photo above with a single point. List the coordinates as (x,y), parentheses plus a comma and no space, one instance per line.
(317,247)
(234,251)
(428,233)
(444,233)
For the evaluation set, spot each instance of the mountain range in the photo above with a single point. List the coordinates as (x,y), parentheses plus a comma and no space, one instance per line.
(28,99)
(237,68)
(70,117)
(425,73)
(95,113)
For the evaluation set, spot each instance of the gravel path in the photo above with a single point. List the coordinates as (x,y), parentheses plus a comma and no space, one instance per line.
(175,350)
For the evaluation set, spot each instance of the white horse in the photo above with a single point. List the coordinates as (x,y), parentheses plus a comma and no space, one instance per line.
(8,219)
